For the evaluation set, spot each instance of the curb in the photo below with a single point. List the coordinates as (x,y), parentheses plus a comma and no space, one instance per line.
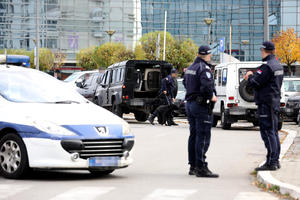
(266,177)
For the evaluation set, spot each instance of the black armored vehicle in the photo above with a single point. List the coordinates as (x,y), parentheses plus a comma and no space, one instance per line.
(131,87)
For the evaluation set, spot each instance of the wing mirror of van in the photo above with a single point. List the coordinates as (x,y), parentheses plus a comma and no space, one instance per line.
(79,83)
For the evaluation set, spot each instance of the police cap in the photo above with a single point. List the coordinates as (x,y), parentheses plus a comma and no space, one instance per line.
(204,50)
(268,45)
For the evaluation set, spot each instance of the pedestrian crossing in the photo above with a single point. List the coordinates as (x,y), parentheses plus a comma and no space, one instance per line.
(8,191)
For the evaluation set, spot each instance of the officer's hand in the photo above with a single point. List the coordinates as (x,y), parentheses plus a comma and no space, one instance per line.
(173,100)
(214,99)
(165,92)
(247,75)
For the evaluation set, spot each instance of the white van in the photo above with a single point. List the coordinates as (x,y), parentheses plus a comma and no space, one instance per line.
(235,99)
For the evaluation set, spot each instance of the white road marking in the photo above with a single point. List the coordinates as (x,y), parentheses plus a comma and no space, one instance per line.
(169,194)
(254,196)
(84,192)
(9,190)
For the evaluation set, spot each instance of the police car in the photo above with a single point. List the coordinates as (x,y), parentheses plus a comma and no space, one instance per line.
(44,124)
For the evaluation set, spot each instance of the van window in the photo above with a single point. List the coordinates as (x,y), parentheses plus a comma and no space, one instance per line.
(114,76)
(224,77)
(121,72)
(219,77)
(107,78)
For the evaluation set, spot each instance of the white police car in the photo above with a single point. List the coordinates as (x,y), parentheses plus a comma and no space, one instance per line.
(44,124)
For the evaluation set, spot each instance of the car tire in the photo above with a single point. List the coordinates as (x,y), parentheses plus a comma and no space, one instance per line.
(215,121)
(141,116)
(101,173)
(13,157)
(225,125)
(280,125)
(246,92)
(117,110)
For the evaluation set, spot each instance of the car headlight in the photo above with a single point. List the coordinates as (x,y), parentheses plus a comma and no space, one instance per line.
(51,128)
(126,129)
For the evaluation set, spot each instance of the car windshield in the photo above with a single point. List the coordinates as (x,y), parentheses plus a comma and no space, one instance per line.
(73,77)
(31,86)
(292,85)
(180,86)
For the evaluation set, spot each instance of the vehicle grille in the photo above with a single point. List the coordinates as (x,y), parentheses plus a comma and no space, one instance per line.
(108,147)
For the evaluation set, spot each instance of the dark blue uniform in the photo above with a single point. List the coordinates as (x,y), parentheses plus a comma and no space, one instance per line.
(266,82)
(199,84)
(168,84)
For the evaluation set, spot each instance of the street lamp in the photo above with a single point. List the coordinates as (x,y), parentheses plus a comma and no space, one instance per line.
(110,34)
(208,22)
(245,42)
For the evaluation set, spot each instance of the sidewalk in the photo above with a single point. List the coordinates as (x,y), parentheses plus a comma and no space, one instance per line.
(290,165)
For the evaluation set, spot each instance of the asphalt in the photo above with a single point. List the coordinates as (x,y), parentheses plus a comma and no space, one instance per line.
(159,171)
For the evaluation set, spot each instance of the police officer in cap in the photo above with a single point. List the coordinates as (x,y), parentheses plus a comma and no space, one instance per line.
(200,93)
(266,82)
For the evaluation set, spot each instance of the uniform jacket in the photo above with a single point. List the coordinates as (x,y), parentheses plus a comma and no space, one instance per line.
(267,81)
(168,84)
(198,81)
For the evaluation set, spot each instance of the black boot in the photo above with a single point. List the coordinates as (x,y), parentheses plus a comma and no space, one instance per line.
(267,167)
(192,171)
(151,119)
(173,123)
(205,172)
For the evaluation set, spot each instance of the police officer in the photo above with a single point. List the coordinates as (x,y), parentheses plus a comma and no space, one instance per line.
(200,91)
(266,82)
(168,87)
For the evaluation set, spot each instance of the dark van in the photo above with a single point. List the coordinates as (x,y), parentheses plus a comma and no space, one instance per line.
(132,86)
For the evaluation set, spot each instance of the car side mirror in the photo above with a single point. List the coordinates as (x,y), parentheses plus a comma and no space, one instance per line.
(79,83)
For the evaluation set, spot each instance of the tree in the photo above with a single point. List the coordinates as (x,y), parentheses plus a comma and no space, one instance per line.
(287,45)
(46,59)
(183,53)
(85,58)
(139,52)
(110,53)
(148,42)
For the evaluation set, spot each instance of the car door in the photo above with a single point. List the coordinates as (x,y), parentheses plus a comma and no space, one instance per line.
(102,90)
(86,89)
(115,90)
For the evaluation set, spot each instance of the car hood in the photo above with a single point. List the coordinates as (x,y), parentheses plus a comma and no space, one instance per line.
(61,114)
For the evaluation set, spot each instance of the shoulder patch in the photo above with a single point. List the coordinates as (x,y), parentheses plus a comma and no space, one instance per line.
(190,72)
(167,79)
(278,73)
(259,71)
(208,75)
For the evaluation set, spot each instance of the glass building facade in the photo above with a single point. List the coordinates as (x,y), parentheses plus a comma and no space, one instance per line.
(69,25)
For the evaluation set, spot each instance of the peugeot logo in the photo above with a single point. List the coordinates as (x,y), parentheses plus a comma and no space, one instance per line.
(102,130)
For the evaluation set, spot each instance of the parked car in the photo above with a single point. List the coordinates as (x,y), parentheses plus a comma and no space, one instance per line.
(44,124)
(293,107)
(291,86)
(74,79)
(88,88)
(180,99)
(235,99)
(132,86)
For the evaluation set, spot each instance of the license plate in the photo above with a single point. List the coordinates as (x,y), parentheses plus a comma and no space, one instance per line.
(104,161)
(137,103)
(289,110)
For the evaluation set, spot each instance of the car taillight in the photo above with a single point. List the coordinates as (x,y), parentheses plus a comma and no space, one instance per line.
(230,105)
(125,97)
(282,104)
(231,98)
(123,86)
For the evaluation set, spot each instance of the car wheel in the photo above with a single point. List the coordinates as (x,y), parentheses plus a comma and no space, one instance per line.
(215,121)
(141,116)
(225,125)
(117,110)
(13,157)
(279,125)
(101,173)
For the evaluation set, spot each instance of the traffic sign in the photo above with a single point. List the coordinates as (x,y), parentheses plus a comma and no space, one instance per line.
(222,45)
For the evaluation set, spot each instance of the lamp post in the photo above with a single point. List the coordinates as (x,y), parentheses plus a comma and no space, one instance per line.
(110,34)
(208,22)
(245,42)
